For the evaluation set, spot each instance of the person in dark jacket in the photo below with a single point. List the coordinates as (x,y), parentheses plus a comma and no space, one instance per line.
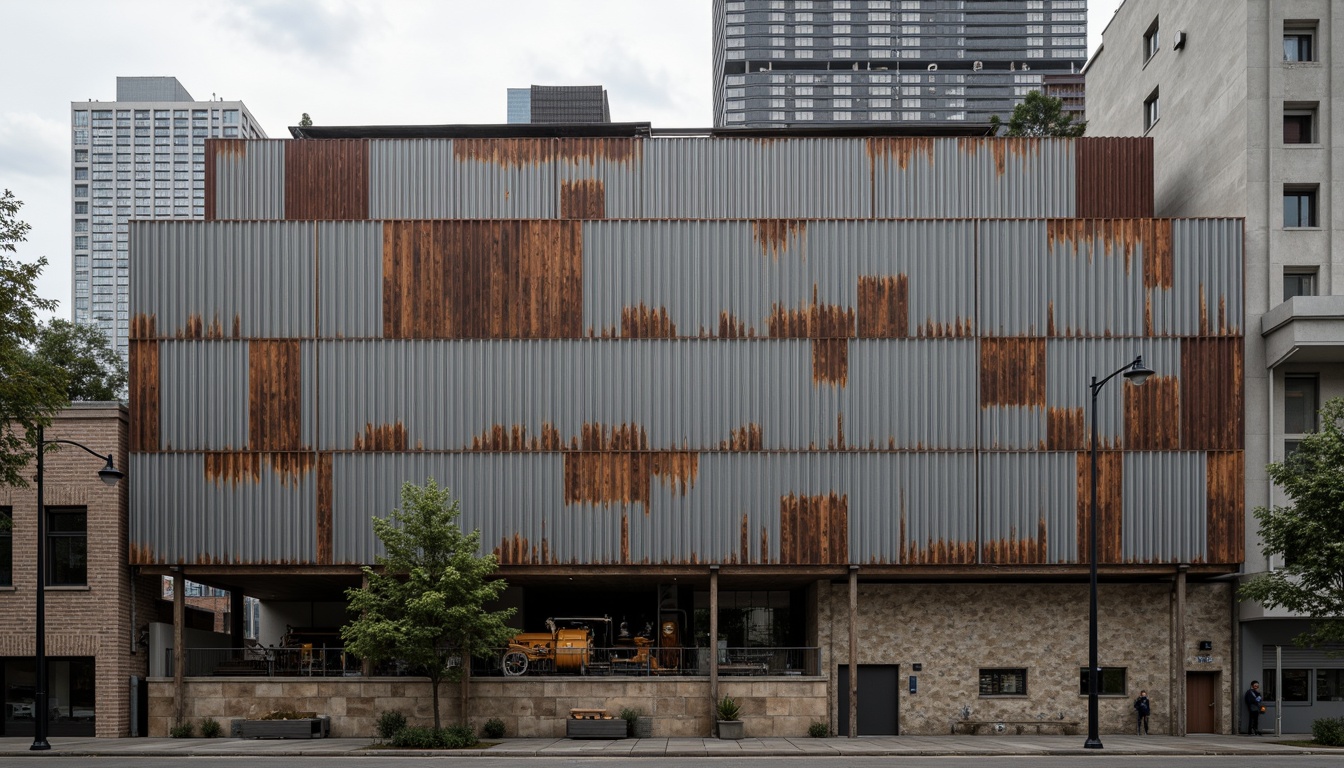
(1254,705)
(1143,705)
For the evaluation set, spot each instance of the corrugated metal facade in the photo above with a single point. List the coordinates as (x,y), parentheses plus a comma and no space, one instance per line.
(671,351)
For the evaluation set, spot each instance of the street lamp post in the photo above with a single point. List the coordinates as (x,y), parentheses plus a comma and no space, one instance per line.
(110,475)
(1136,372)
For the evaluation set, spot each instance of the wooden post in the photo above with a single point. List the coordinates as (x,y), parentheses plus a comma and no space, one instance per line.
(713,649)
(179,644)
(853,651)
(1178,702)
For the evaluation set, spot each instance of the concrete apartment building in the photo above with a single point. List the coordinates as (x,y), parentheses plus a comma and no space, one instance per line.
(840,62)
(743,391)
(559,104)
(95,605)
(139,157)
(1245,113)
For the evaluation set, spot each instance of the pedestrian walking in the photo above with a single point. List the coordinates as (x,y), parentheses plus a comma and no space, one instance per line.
(1255,704)
(1143,706)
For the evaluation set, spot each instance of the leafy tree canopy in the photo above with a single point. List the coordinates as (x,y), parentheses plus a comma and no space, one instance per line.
(305,120)
(1309,533)
(1040,115)
(32,388)
(93,369)
(425,604)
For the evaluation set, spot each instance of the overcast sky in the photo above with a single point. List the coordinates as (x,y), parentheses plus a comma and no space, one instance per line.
(345,62)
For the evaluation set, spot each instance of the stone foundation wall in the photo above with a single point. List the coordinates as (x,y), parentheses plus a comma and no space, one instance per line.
(955,630)
(529,707)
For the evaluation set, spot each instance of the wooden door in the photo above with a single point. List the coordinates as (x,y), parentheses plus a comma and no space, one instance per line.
(1201,702)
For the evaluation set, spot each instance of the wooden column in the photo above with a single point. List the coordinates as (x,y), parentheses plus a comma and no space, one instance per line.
(853,651)
(1178,703)
(179,644)
(713,649)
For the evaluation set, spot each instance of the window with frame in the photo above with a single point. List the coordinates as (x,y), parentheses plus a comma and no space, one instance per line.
(1299,124)
(67,546)
(1300,396)
(6,546)
(1003,682)
(1151,112)
(1296,685)
(1330,685)
(1299,43)
(1112,681)
(1299,207)
(1298,282)
(1150,41)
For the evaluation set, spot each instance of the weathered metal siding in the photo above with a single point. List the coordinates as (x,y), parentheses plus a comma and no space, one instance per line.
(1206,296)
(972,178)
(327,179)
(244,179)
(1162,494)
(1070,366)
(205,395)
(1114,178)
(349,273)
(1026,508)
(223,280)
(222,508)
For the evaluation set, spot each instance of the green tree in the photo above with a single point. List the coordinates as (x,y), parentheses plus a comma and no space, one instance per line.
(32,388)
(93,369)
(1309,534)
(305,120)
(1040,115)
(425,602)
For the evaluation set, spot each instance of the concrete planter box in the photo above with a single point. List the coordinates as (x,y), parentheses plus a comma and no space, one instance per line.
(300,728)
(731,729)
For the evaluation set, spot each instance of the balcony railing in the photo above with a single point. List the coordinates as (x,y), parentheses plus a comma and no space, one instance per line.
(336,662)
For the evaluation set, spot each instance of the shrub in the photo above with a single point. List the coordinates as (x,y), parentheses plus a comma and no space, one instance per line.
(728,709)
(184,731)
(210,728)
(630,715)
(493,728)
(1328,731)
(389,723)
(460,736)
(416,737)
(818,730)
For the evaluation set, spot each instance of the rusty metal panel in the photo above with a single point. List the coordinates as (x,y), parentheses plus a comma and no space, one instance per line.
(1205,296)
(327,179)
(244,179)
(482,279)
(1115,177)
(777,277)
(349,273)
(1110,505)
(609,169)
(1123,409)
(1164,507)
(505,179)
(692,394)
(275,396)
(701,178)
(218,280)
(222,508)
(1095,277)
(1212,394)
(144,387)
(1226,524)
(971,177)
(204,395)
(1026,509)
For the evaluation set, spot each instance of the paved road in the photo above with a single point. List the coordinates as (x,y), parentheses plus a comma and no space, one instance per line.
(767,761)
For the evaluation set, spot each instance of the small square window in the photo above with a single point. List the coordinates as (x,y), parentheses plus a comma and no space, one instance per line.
(1299,125)
(1299,207)
(1150,41)
(1150,110)
(1003,682)
(1298,282)
(1299,44)
(1112,681)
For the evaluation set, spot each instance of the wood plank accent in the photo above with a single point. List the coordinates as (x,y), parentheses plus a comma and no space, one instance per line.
(324,516)
(1114,178)
(1226,524)
(327,179)
(144,394)
(1153,414)
(583,199)
(482,279)
(814,530)
(1012,372)
(1212,395)
(1110,507)
(274,396)
(884,306)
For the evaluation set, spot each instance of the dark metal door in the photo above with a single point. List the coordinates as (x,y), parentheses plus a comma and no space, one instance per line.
(1201,704)
(879,689)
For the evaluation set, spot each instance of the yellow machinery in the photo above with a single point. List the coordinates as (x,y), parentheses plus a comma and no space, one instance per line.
(566,649)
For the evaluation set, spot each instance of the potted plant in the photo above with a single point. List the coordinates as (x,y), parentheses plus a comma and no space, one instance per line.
(730,724)
(637,725)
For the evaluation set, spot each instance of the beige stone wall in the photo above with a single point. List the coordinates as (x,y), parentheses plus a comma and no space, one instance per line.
(529,707)
(954,630)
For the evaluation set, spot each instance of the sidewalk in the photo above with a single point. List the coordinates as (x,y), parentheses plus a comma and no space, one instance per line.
(1114,744)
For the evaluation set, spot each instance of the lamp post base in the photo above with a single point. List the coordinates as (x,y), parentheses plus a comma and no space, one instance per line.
(1092,744)
(39,746)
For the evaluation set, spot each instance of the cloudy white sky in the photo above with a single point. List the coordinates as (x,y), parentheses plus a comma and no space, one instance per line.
(345,62)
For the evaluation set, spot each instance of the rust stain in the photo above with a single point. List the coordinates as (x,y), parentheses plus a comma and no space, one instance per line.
(730,327)
(1159,264)
(939,552)
(142,554)
(237,327)
(830,362)
(519,551)
(814,530)
(196,329)
(1110,472)
(959,328)
(1012,372)
(774,236)
(1226,522)
(583,199)
(1153,414)
(516,153)
(275,394)
(232,467)
(290,468)
(144,388)
(1001,148)
(745,438)
(625,538)
(327,179)
(385,437)
(1016,550)
(1065,429)
(144,327)
(643,322)
(899,149)
(677,470)
(324,505)
(1203,313)
(811,321)
(595,436)
(884,307)
(1050,319)
(744,544)
(1212,394)
(622,477)
(482,279)
(515,438)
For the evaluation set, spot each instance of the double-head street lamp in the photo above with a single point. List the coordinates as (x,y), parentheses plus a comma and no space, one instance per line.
(1136,372)
(110,475)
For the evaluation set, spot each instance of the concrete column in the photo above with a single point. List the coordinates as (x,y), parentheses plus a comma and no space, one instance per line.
(853,651)
(713,649)
(179,644)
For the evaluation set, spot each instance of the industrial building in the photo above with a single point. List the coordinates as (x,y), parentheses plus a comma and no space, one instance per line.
(1242,114)
(559,104)
(743,389)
